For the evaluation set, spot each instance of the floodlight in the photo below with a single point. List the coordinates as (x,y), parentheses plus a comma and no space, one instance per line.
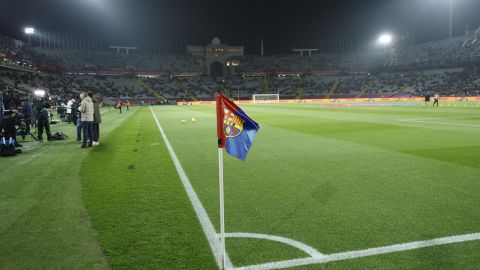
(385,39)
(29,30)
(39,93)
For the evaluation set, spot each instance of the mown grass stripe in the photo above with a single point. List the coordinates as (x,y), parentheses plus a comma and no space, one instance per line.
(202,215)
(43,220)
(137,203)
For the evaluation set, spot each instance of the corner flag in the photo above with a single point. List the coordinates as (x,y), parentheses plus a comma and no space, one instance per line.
(235,130)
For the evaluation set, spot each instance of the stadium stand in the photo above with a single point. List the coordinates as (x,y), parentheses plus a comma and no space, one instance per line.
(443,66)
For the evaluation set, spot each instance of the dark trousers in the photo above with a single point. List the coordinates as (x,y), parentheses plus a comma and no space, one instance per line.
(95,132)
(79,129)
(34,120)
(435,102)
(43,124)
(87,132)
(8,128)
(28,123)
(120,108)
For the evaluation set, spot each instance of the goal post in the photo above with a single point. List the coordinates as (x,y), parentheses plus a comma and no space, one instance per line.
(265,98)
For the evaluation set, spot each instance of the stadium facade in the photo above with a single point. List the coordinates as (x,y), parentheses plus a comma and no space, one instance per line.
(219,57)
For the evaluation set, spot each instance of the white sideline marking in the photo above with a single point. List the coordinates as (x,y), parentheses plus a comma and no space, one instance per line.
(440,123)
(305,248)
(206,223)
(317,257)
(364,253)
(434,118)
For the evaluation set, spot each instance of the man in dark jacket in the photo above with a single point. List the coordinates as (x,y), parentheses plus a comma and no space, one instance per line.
(43,123)
(77,122)
(427,98)
(97,119)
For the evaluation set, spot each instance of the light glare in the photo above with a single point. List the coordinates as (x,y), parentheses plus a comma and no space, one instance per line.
(39,93)
(385,39)
(29,30)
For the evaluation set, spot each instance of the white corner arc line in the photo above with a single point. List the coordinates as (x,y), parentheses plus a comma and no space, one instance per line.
(299,245)
(214,242)
(364,253)
(202,215)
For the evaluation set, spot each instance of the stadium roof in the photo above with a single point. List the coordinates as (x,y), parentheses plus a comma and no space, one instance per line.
(283,25)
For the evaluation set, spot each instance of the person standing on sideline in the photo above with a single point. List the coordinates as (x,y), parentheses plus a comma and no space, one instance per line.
(119,105)
(43,121)
(436,99)
(76,119)
(86,110)
(128,104)
(96,120)
(69,109)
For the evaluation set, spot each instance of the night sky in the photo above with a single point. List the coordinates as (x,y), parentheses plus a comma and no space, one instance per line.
(282,24)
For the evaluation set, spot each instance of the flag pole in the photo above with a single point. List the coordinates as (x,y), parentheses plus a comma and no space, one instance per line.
(222,212)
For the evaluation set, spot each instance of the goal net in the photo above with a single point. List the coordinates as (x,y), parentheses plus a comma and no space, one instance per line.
(265,98)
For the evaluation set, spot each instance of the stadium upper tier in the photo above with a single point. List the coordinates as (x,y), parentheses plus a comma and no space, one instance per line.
(439,53)
(438,66)
(74,60)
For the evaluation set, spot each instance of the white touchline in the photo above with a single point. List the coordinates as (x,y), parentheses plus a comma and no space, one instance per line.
(206,223)
(439,123)
(316,256)
(435,118)
(364,253)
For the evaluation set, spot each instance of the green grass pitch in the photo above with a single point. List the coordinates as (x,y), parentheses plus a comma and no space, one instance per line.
(336,179)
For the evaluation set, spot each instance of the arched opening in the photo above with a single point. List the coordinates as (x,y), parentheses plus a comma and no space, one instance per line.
(216,69)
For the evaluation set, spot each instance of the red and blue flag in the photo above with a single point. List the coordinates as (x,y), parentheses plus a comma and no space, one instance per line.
(235,129)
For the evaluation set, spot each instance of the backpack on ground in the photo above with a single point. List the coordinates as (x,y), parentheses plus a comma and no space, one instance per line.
(59,136)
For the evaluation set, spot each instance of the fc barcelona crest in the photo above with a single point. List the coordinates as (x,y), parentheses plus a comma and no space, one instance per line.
(232,124)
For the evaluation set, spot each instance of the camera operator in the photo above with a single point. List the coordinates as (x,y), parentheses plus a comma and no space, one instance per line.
(10,117)
(43,120)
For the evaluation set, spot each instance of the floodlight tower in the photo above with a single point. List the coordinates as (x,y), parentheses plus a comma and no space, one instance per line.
(29,31)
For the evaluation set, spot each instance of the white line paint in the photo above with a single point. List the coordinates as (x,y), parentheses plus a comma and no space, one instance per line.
(441,123)
(317,257)
(202,215)
(305,248)
(364,253)
(436,118)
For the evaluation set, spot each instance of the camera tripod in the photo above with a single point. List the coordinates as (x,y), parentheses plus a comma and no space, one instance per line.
(22,131)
